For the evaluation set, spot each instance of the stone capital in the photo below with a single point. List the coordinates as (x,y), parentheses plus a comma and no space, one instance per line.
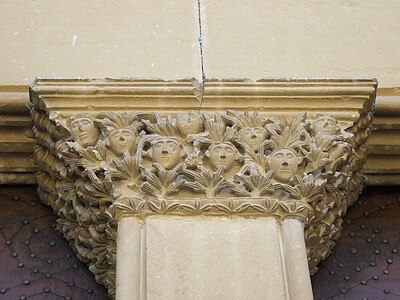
(281,149)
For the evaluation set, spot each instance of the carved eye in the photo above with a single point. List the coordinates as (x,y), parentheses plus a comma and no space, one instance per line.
(217,150)
(158,146)
(332,123)
(247,132)
(114,134)
(126,133)
(85,122)
(229,151)
(290,156)
(258,131)
(279,156)
(171,145)
(193,116)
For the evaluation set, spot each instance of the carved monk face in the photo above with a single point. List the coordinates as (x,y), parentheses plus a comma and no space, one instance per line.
(84,132)
(189,123)
(325,126)
(284,163)
(253,136)
(167,152)
(121,140)
(222,156)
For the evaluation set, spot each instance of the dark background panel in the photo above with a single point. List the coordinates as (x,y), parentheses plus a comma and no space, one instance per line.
(365,263)
(35,261)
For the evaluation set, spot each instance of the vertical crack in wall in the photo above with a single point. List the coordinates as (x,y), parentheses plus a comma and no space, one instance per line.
(200,90)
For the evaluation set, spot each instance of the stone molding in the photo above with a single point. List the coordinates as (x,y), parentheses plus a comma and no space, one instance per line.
(101,143)
(382,166)
(16,144)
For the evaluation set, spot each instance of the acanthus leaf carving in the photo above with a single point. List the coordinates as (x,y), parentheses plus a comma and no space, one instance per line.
(242,164)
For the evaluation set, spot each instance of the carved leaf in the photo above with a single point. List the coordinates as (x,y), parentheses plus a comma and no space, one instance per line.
(96,191)
(254,160)
(93,158)
(163,207)
(258,185)
(291,125)
(207,181)
(162,183)
(287,139)
(307,189)
(132,205)
(129,167)
(162,127)
(197,207)
(316,159)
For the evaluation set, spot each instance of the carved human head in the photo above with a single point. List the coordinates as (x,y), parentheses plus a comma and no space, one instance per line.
(284,162)
(253,136)
(83,130)
(121,140)
(121,131)
(325,125)
(222,155)
(189,122)
(166,151)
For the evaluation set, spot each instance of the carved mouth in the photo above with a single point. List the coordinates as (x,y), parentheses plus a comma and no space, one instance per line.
(83,135)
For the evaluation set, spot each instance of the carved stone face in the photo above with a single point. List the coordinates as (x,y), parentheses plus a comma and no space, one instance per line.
(222,156)
(189,123)
(84,132)
(167,152)
(284,163)
(253,136)
(121,140)
(325,126)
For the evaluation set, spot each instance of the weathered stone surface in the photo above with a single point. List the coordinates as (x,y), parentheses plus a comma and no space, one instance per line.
(213,258)
(16,143)
(382,166)
(116,148)
(383,163)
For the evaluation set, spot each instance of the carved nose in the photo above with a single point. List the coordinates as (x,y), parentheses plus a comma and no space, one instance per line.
(253,136)
(164,151)
(121,138)
(285,163)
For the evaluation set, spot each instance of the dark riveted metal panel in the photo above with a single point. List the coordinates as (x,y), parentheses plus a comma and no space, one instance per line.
(365,263)
(36,262)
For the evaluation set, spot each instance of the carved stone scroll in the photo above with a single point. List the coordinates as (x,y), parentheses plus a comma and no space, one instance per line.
(103,158)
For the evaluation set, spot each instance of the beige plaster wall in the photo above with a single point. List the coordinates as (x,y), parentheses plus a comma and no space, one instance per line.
(288,38)
(254,39)
(119,38)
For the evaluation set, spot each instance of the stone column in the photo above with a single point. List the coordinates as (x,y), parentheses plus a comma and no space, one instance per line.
(130,260)
(188,257)
(295,260)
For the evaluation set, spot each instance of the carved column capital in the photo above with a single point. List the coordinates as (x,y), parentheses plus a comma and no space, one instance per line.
(111,149)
